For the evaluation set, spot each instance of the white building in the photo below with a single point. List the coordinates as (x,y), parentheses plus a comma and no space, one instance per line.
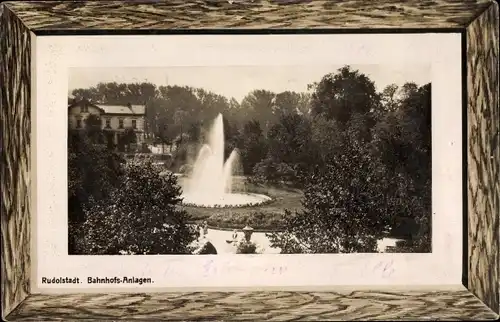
(115,119)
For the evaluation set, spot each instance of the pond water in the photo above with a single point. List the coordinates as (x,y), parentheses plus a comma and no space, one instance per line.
(219,239)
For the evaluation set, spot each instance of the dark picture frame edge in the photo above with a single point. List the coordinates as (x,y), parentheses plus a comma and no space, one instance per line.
(476,20)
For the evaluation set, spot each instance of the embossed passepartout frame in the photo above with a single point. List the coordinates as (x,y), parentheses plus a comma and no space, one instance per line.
(478,21)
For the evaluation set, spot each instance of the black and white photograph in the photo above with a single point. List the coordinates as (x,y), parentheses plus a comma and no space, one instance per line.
(205,160)
(317,159)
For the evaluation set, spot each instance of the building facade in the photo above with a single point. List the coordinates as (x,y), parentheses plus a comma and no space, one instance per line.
(115,119)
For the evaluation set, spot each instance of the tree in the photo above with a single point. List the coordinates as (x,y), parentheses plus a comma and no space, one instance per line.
(258,105)
(389,97)
(211,104)
(159,119)
(127,138)
(345,209)
(338,96)
(290,142)
(115,93)
(140,217)
(327,135)
(304,104)
(90,94)
(235,114)
(402,137)
(94,171)
(232,137)
(286,103)
(272,171)
(182,98)
(252,145)
(93,129)
(402,140)
(180,118)
(194,132)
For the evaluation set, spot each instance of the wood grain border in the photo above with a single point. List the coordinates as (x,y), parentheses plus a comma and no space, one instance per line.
(483,156)
(478,20)
(15,73)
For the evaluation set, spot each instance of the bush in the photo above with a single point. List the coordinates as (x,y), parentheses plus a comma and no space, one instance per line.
(140,217)
(270,171)
(289,244)
(207,249)
(345,209)
(93,172)
(245,247)
(144,148)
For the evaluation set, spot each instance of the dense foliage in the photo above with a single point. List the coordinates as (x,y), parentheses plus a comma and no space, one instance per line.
(373,169)
(93,172)
(402,138)
(112,204)
(246,247)
(145,204)
(345,206)
(362,157)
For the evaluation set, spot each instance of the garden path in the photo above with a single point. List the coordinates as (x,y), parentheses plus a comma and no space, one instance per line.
(219,239)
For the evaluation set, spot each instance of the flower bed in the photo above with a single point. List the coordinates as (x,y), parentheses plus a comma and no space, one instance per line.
(246,205)
(263,221)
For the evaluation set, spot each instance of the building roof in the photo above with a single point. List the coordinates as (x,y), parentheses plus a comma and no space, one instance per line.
(122,109)
(114,109)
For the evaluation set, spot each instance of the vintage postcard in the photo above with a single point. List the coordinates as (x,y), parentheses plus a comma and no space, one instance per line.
(294,160)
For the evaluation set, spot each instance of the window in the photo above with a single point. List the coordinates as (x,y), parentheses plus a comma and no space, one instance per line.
(78,123)
(120,123)
(134,124)
(108,123)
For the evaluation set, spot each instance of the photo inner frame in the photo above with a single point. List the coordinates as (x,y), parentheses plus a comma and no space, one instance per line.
(266,206)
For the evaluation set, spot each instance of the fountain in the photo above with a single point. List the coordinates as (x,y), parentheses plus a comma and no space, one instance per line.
(210,182)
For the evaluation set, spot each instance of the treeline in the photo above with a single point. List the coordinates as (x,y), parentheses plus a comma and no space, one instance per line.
(174,111)
(362,157)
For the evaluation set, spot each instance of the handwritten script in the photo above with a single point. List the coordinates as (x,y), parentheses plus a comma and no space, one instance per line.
(385,268)
(212,268)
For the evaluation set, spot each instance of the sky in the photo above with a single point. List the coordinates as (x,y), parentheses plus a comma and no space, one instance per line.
(238,81)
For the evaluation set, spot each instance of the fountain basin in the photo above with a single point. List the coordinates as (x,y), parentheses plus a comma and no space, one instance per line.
(226,200)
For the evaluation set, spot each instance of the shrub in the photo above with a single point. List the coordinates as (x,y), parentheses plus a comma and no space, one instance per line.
(245,247)
(345,209)
(144,148)
(270,171)
(207,249)
(141,216)
(93,172)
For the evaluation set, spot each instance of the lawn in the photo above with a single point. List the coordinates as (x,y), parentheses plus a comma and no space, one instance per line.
(270,216)
(264,217)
